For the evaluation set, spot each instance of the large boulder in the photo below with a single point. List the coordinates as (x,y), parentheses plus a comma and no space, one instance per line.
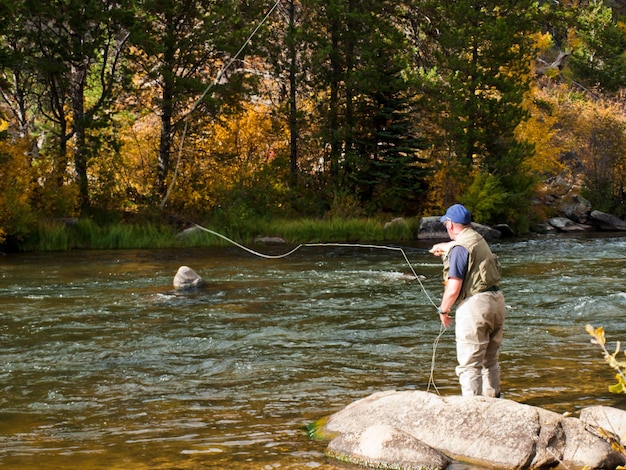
(483,431)
(431,228)
(487,232)
(576,208)
(385,447)
(608,222)
(187,278)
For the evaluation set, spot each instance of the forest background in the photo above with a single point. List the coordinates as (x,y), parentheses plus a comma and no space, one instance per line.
(233,114)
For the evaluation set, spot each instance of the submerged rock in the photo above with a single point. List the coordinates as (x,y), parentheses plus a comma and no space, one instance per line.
(485,431)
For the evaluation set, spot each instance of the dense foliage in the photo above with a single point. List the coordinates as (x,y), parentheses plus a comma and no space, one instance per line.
(212,110)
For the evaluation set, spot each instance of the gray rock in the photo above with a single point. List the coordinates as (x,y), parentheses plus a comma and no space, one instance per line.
(487,232)
(187,278)
(564,224)
(401,221)
(582,449)
(431,229)
(608,222)
(270,240)
(504,229)
(385,447)
(188,232)
(576,208)
(610,419)
(484,431)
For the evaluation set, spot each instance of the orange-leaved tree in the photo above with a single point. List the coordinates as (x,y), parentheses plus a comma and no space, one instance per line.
(238,162)
(16,187)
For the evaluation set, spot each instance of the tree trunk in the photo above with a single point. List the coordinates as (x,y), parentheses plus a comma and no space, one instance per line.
(293,109)
(333,119)
(77,85)
(168,76)
(163,163)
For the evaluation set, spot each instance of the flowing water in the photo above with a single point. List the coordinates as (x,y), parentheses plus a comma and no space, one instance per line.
(104,366)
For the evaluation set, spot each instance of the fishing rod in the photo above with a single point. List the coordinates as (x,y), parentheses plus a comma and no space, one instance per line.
(442,329)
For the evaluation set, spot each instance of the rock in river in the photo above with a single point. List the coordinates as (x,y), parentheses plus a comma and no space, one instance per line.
(385,430)
(186,278)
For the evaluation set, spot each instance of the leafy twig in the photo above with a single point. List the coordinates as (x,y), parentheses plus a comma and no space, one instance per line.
(611,359)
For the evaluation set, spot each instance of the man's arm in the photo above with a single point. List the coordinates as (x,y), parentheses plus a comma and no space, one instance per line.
(450,293)
(459,259)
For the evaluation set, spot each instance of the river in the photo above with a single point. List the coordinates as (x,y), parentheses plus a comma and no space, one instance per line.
(105,366)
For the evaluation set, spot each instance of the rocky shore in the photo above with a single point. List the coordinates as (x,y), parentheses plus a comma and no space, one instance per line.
(421,430)
(574,214)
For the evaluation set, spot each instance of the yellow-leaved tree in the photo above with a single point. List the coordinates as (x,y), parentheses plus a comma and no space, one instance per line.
(233,162)
(543,130)
(139,139)
(16,187)
(601,136)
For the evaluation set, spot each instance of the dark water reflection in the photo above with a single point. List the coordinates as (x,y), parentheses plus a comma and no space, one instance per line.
(103,366)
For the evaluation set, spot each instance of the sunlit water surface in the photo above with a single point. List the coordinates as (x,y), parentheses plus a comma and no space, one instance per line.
(104,366)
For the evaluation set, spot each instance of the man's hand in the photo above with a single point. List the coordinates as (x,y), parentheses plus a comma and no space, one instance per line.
(446,319)
(439,248)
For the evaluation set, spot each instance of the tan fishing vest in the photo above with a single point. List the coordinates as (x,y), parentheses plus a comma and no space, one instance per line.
(483,269)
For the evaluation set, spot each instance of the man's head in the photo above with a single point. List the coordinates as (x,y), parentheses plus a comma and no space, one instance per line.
(457,214)
(456,218)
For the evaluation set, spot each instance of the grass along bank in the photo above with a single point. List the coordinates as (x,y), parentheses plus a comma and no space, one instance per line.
(62,235)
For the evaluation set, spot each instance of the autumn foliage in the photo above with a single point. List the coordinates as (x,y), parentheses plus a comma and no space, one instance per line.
(308,108)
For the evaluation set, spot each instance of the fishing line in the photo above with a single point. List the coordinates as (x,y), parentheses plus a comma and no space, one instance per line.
(431,378)
(205,92)
(263,255)
(442,330)
(302,245)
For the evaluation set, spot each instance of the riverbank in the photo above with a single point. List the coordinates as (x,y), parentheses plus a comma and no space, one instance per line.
(69,234)
(85,234)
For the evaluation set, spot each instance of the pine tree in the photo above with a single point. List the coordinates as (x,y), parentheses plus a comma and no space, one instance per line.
(388,172)
(598,45)
(364,90)
(482,66)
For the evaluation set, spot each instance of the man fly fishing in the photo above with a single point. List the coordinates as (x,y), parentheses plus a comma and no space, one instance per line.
(471,274)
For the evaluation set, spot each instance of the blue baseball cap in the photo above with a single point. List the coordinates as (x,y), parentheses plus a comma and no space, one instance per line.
(457,214)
